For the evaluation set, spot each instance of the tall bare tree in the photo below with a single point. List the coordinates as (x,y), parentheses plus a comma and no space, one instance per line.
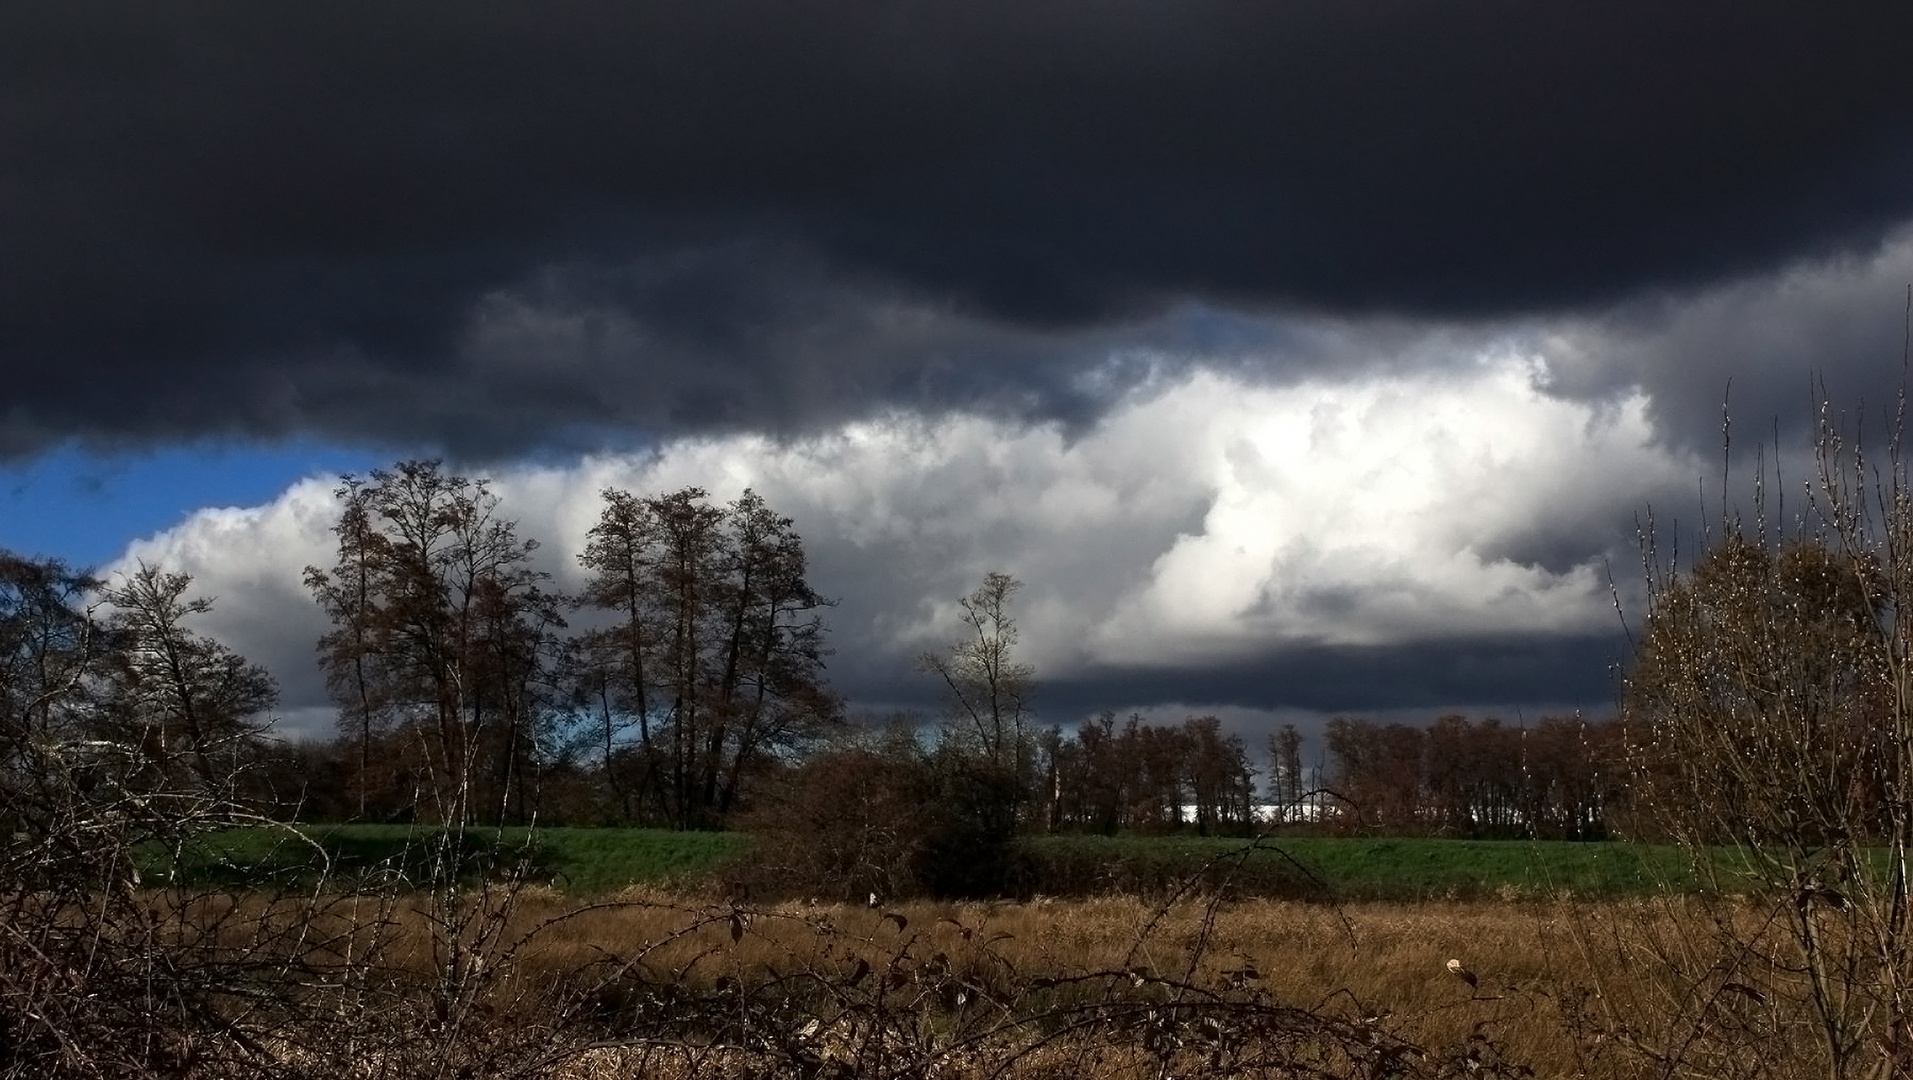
(612,670)
(988,688)
(443,635)
(348,596)
(770,690)
(711,658)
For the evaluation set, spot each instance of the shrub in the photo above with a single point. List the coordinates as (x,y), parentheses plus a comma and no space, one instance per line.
(885,819)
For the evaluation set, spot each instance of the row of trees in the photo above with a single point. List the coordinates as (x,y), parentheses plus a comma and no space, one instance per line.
(1144,777)
(884,811)
(1104,778)
(1560,778)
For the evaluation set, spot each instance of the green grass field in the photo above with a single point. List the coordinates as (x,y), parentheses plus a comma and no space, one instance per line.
(1337,868)
(589,862)
(595,861)
(579,861)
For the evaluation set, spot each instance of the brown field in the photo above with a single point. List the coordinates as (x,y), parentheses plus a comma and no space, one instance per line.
(648,985)
(508,981)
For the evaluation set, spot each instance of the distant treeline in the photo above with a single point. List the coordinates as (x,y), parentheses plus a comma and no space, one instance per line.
(1558,778)
(1108,777)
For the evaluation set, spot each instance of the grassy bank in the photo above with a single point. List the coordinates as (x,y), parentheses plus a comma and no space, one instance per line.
(590,862)
(1338,868)
(578,861)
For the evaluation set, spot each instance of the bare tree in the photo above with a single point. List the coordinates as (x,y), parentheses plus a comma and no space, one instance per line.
(989,689)
(712,659)
(51,654)
(190,705)
(1285,771)
(443,634)
(349,596)
(770,691)
(613,666)
(1770,716)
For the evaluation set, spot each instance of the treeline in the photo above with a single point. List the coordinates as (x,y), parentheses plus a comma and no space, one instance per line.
(464,692)
(690,690)
(1143,777)
(1136,776)
(1559,778)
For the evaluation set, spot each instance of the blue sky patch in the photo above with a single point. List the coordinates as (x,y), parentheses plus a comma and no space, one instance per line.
(85,506)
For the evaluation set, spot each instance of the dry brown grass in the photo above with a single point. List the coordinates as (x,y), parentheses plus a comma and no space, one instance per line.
(519,981)
(1383,966)
(1566,988)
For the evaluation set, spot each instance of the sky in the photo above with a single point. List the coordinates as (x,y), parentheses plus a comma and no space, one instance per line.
(1301,358)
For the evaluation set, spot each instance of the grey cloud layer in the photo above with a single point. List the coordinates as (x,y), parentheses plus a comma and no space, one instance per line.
(494,226)
(1765,346)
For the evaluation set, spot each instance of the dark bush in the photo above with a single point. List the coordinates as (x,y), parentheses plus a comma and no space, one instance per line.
(846,825)
(888,820)
(969,821)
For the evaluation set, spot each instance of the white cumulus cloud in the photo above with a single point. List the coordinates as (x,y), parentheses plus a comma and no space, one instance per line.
(1201,520)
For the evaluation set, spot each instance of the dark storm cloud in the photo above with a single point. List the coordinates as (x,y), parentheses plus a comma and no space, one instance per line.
(391,219)
(1357,679)
(1579,670)
(1766,349)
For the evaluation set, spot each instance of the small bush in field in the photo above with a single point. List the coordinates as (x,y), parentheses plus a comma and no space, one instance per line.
(888,821)
(846,825)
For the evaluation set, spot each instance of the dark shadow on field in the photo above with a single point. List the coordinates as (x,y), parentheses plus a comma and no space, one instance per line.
(349,858)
